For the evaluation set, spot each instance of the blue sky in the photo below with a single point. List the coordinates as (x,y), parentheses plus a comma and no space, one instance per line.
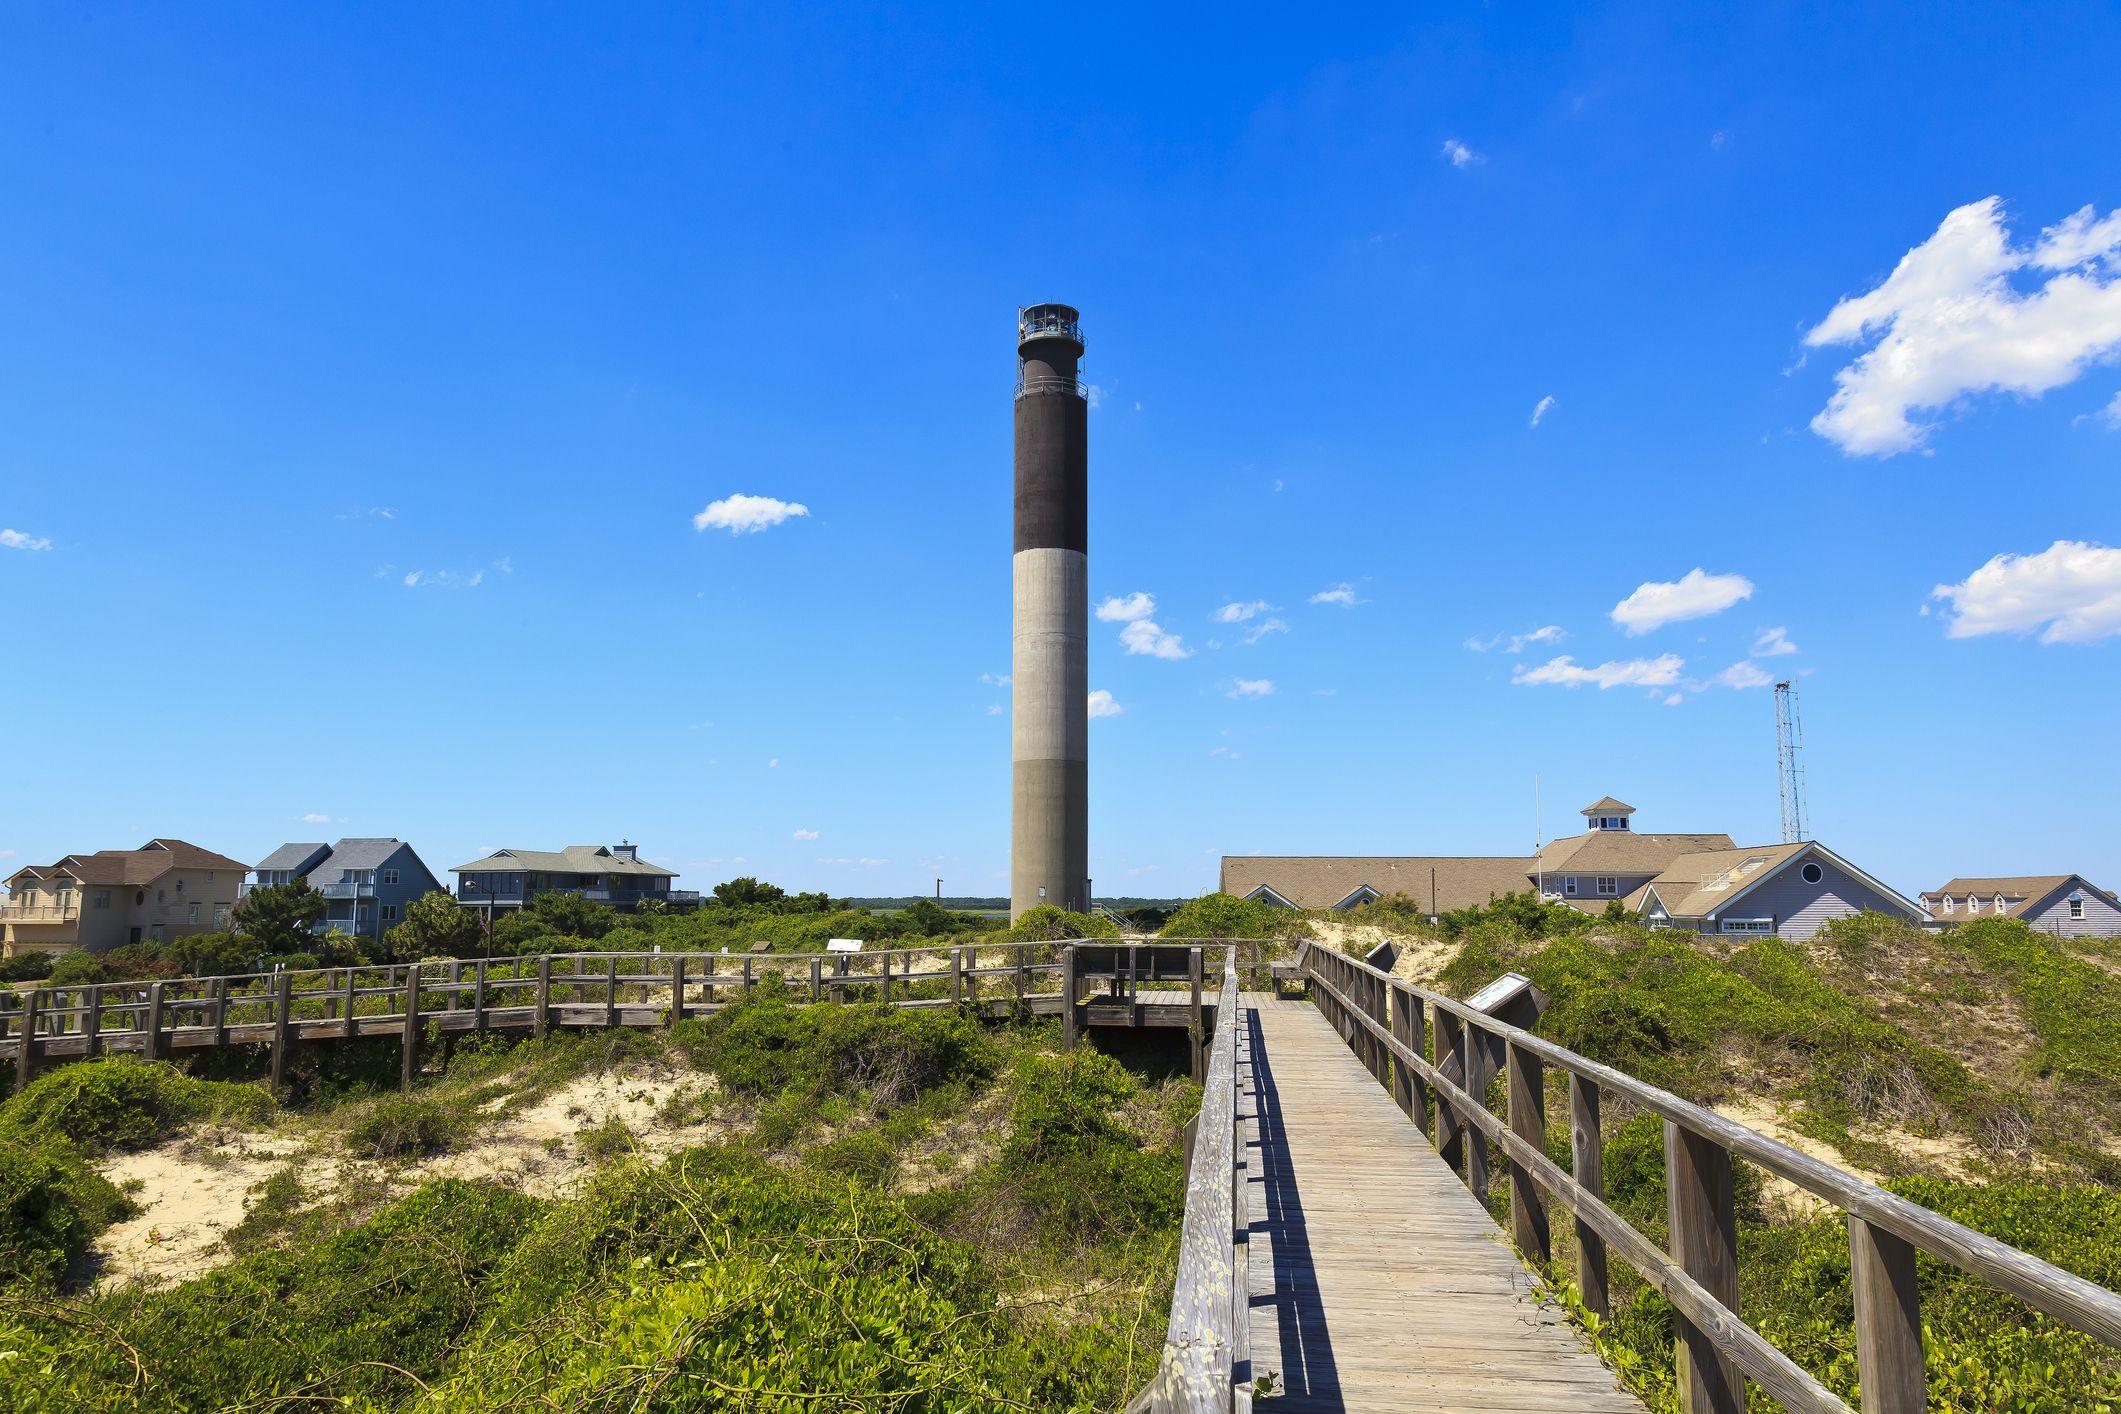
(365,368)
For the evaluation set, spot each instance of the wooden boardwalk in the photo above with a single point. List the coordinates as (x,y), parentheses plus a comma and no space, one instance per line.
(1378,1283)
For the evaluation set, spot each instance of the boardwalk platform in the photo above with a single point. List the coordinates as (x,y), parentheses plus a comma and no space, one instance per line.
(1378,1283)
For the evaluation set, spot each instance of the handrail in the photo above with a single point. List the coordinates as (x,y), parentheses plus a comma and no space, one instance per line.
(1209,1332)
(1387,1017)
(151,1017)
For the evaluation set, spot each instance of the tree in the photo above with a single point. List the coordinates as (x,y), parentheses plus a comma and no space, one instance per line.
(212,954)
(435,926)
(573,915)
(931,918)
(739,893)
(281,918)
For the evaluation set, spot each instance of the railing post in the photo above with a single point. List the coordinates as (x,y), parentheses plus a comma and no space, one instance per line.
(1474,1043)
(884,958)
(92,1025)
(611,989)
(26,1039)
(152,1046)
(1450,1129)
(478,995)
(1379,997)
(747,978)
(456,975)
(1528,1121)
(349,984)
(817,974)
(1409,1027)
(1704,1223)
(282,1004)
(1068,997)
(541,1007)
(220,996)
(1023,977)
(1587,1167)
(839,989)
(1889,1368)
(1196,1024)
(409,1043)
(677,989)
(957,976)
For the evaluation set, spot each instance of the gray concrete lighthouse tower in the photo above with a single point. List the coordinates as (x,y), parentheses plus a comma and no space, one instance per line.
(1049,818)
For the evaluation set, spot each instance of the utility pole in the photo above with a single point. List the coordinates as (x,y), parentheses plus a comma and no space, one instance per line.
(1789,742)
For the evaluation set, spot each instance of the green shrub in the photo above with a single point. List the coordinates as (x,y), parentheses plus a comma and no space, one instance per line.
(52,1205)
(766,1045)
(404,1126)
(601,1143)
(1049,924)
(1226,916)
(864,1155)
(118,1102)
(1069,1163)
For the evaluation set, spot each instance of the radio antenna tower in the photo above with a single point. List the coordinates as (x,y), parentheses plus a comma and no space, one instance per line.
(1789,741)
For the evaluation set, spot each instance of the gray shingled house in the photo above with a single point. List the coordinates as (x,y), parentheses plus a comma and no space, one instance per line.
(613,874)
(1700,882)
(366,882)
(2066,905)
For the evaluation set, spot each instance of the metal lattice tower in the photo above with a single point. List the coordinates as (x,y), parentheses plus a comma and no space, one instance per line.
(1789,742)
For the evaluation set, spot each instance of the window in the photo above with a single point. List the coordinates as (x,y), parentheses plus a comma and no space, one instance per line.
(390,913)
(100,898)
(390,876)
(1973,904)
(1608,886)
(1947,903)
(180,886)
(220,917)
(1813,873)
(1748,925)
(1999,903)
(1568,886)
(193,917)
(2076,905)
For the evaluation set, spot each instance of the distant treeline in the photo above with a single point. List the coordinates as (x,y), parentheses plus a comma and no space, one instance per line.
(977,905)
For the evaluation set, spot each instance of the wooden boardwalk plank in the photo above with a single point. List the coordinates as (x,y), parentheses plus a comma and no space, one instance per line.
(1378,1283)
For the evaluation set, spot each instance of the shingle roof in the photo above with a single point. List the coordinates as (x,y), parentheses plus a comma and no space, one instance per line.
(1321,881)
(1622,852)
(1694,885)
(362,853)
(297,857)
(140,866)
(575,859)
(2020,891)
(1607,806)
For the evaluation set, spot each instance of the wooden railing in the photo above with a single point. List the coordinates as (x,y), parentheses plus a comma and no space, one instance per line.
(570,990)
(1209,1335)
(1384,1020)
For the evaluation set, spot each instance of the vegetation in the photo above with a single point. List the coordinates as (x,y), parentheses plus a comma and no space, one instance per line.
(1975,1070)
(1223,916)
(435,925)
(281,918)
(893,1198)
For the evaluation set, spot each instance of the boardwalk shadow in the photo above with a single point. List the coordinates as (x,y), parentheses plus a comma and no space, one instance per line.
(1306,1374)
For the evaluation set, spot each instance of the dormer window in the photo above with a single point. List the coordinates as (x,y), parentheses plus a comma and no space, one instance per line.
(1973,903)
(1999,903)
(1947,903)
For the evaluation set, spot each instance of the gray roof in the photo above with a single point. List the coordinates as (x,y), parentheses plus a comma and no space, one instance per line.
(1607,806)
(575,859)
(363,853)
(1321,881)
(297,857)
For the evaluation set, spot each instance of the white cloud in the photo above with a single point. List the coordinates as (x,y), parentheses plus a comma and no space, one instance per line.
(871,863)
(313,818)
(995,679)
(1661,671)
(1342,594)
(771,764)
(806,834)
(1252,687)
(1102,705)
(1742,675)
(1541,408)
(1126,609)
(1094,395)
(443,579)
(1517,642)
(1458,154)
(746,515)
(1241,612)
(1694,595)
(17,540)
(1226,753)
(1773,643)
(2110,414)
(1949,323)
(994,709)
(1145,637)
(2072,587)
(1264,627)
(1673,699)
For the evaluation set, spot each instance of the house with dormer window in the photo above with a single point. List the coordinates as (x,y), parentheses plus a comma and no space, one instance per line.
(2066,905)
(164,889)
(612,874)
(1700,882)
